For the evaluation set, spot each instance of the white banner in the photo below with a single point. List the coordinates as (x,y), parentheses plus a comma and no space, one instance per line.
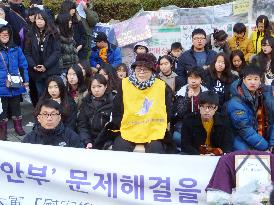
(47,175)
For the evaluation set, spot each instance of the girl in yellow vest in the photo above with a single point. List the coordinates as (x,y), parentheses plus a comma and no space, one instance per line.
(263,28)
(142,108)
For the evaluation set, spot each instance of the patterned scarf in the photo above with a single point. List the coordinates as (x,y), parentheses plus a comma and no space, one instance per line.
(103,54)
(141,85)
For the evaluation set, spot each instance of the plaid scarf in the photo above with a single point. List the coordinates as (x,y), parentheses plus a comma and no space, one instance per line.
(141,85)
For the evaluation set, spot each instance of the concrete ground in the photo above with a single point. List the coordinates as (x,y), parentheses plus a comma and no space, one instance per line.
(27,110)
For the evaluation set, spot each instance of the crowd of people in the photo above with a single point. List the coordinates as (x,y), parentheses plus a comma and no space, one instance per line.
(215,98)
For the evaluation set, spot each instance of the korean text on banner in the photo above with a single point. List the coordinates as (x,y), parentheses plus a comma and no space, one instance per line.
(132,31)
(37,174)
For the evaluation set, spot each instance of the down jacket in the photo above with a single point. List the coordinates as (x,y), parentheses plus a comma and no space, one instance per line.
(14,59)
(114,56)
(241,110)
(269,106)
(93,116)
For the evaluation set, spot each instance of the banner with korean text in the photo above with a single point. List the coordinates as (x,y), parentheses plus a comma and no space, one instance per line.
(47,175)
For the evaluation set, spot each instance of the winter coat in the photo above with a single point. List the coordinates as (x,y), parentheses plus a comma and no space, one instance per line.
(241,110)
(174,81)
(80,39)
(211,81)
(257,40)
(70,118)
(89,23)
(93,116)
(69,54)
(245,45)
(194,134)
(114,56)
(16,20)
(187,61)
(182,104)
(50,56)
(60,136)
(269,108)
(14,59)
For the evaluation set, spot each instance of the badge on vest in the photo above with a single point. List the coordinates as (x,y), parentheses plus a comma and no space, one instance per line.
(62,144)
(146,106)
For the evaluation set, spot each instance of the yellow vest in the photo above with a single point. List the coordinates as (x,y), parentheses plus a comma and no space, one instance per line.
(145,117)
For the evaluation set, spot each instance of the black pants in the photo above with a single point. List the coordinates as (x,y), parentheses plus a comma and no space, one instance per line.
(13,103)
(155,146)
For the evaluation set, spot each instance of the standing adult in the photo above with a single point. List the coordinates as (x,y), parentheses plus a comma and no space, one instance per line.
(15,16)
(89,22)
(42,50)
(198,55)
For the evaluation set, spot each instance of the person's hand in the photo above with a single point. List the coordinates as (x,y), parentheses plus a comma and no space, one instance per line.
(26,84)
(41,68)
(79,48)
(190,93)
(89,146)
(97,66)
(36,68)
(205,67)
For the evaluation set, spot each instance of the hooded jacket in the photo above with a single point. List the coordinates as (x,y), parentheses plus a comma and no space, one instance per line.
(241,110)
(12,61)
(244,44)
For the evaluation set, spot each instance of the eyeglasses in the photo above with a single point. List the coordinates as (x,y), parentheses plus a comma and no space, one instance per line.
(208,107)
(198,38)
(138,69)
(46,115)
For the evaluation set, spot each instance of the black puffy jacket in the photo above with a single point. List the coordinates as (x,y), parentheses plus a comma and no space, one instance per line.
(60,136)
(94,114)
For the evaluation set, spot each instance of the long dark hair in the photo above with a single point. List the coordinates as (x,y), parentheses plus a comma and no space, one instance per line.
(262,19)
(64,97)
(113,79)
(65,8)
(62,21)
(263,58)
(241,56)
(81,82)
(50,28)
(226,75)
